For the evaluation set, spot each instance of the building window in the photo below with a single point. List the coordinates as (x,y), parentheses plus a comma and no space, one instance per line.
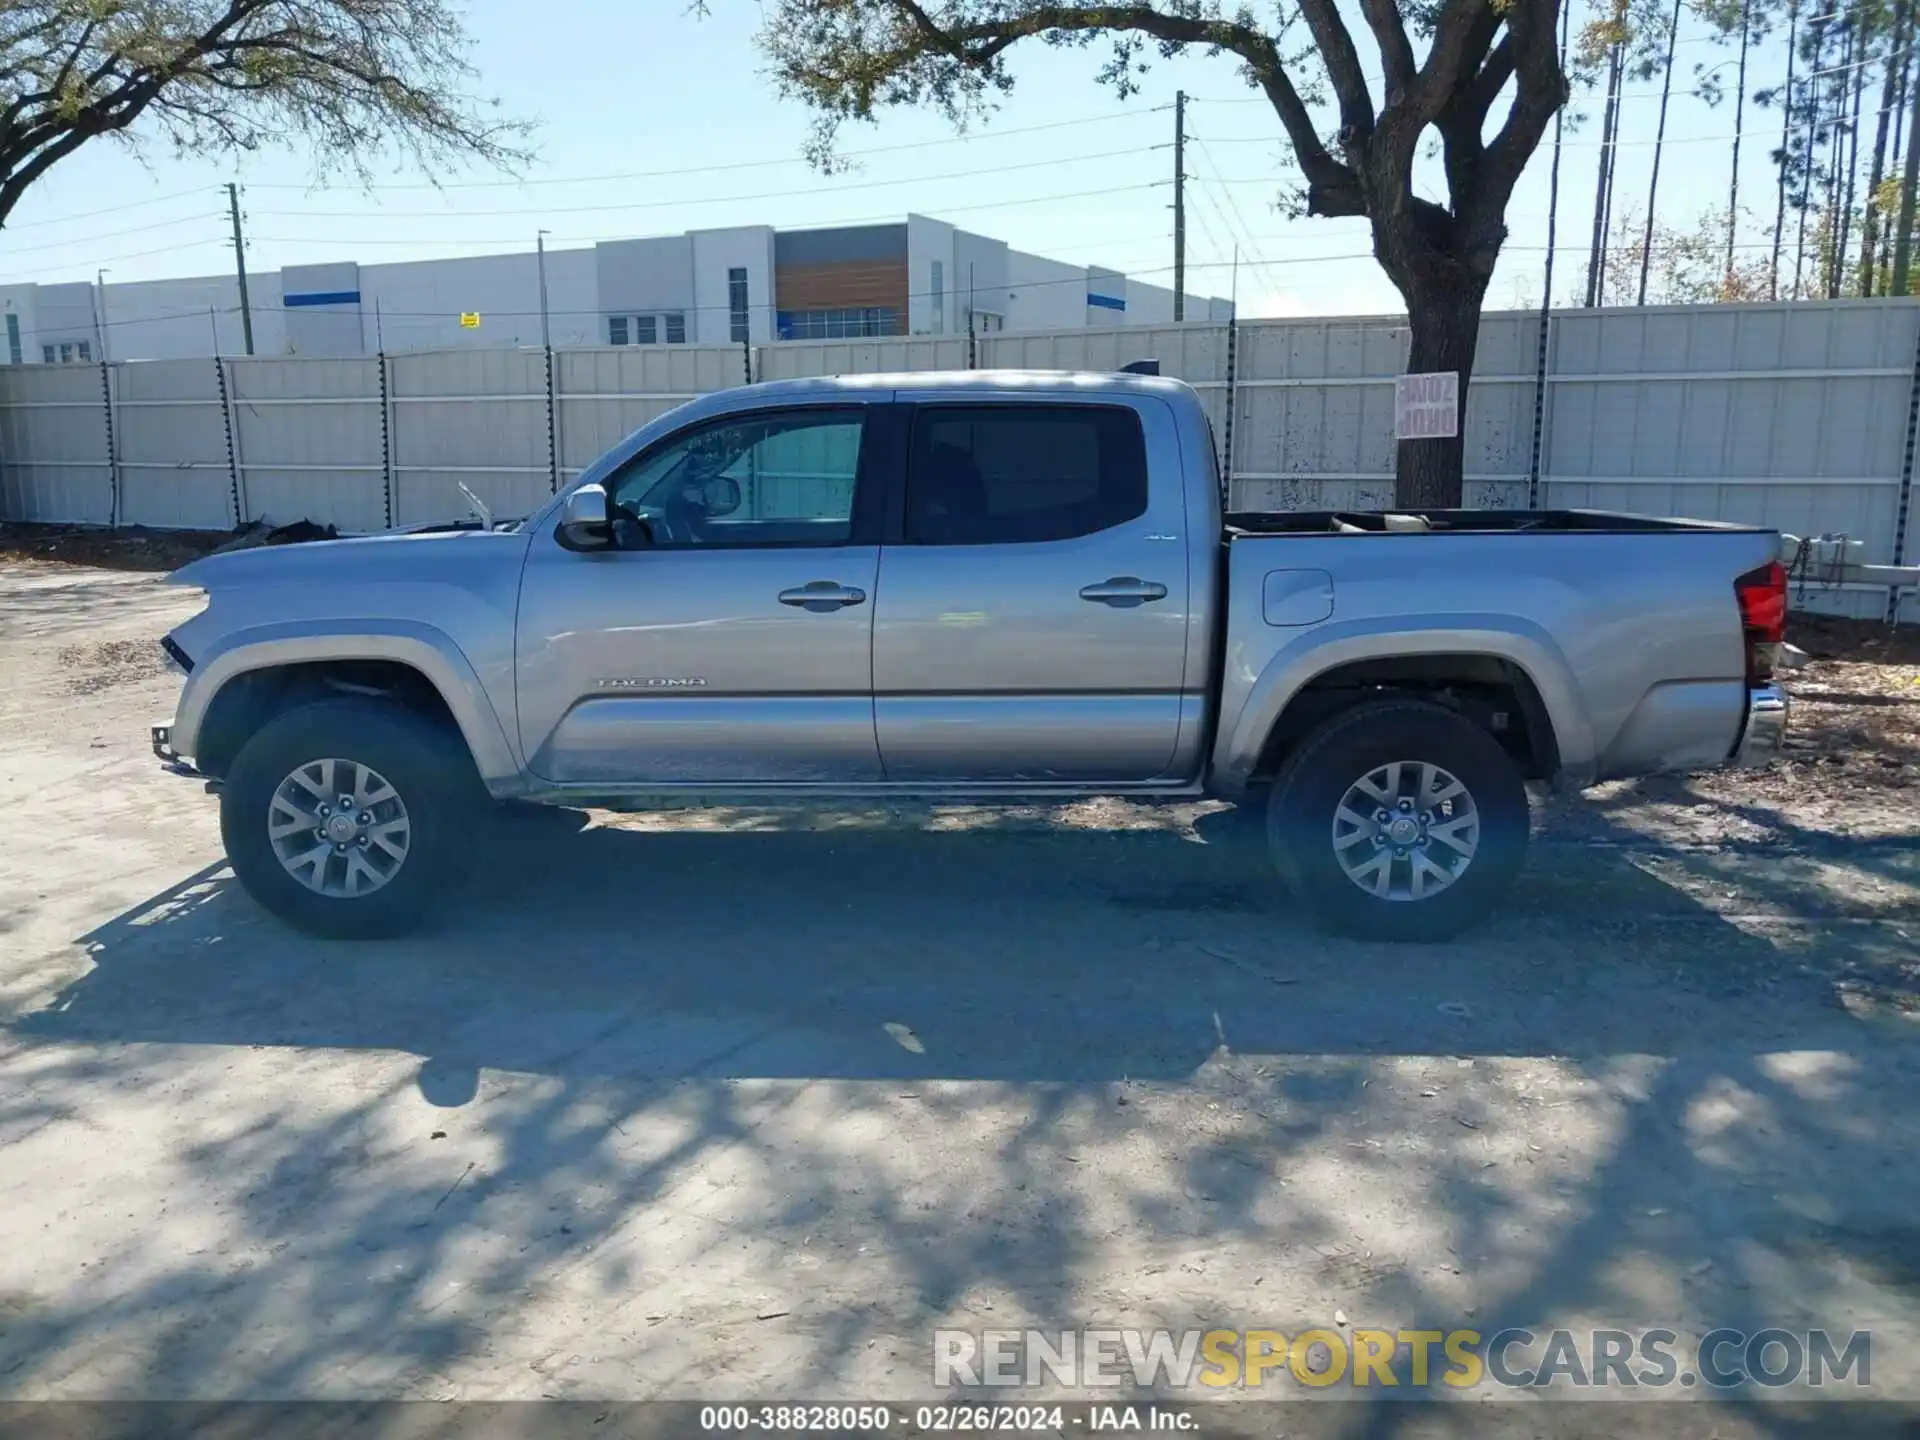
(737,305)
(985,322)
(839,324)
(939,297)
(46,354)
(67,352)
(645,329)
(85,349)
(13,340)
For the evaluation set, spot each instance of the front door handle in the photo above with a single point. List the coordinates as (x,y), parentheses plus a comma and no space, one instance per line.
(823,597)
(1123,592)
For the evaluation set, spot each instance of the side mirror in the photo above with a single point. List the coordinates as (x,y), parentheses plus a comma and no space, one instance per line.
(586,520)
(721,494)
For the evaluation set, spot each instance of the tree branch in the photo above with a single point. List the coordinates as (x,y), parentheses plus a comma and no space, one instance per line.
(1396,51)
(977,44)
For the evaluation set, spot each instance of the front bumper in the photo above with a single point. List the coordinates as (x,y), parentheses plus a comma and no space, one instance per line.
(1766,728)
(170,759)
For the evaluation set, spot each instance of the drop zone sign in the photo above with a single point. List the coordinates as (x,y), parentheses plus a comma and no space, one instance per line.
(1426,407)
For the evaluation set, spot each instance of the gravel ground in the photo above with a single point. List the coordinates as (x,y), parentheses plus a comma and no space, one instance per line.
(745,1102)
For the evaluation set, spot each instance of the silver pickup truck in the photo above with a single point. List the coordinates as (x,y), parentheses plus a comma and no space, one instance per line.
(980,585)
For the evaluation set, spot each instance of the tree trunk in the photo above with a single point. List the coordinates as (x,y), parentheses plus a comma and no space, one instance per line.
(1870,221)
(1444,317)
(1786,153)
(1659,144)
(1739,120)
(1603,186)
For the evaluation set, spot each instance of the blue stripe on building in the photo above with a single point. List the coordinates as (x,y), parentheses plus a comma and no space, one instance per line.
(1106,302)
(322,297)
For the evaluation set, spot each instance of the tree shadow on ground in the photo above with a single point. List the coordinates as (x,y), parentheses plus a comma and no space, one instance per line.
(751,1108)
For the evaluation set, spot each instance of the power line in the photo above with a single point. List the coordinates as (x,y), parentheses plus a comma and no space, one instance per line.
(1129,152)
(12,250)
(135,255)
(108,210)
(739,164)
(844,220)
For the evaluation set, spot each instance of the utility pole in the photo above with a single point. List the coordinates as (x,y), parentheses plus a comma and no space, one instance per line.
(100,313)
(1179,205)
(240,265)
(540,250)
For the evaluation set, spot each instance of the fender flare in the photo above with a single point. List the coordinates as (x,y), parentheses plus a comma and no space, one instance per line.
(422,647)
(1520,642)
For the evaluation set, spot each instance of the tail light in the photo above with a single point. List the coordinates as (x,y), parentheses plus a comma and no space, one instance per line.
(1762,595)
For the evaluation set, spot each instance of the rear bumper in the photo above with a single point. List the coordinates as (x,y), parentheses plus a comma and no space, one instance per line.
(1766,726)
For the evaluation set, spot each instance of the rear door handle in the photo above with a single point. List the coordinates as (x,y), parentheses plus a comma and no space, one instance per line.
(1123,592)
(823,597)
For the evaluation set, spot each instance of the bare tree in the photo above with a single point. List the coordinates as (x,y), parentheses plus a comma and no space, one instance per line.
(1895,69)
(352,78)
(1446,74)
(1659,144)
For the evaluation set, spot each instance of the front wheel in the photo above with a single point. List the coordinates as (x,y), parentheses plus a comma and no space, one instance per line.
(1399,820)
(349,818)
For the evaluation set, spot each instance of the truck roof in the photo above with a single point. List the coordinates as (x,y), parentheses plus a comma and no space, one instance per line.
(1077,382)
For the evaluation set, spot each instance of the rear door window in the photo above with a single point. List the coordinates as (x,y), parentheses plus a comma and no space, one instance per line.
(1014,474)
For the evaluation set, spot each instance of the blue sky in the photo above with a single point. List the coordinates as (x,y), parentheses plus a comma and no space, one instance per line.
(1062,168)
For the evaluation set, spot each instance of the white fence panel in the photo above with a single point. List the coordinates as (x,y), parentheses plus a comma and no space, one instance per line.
(171,436)
(796,359)
(604,395)
(1792,416)
(53,445)
(1787,415)
(477,417)
(309,438)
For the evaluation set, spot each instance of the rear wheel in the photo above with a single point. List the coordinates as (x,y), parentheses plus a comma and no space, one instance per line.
(1399,820)
(349,818)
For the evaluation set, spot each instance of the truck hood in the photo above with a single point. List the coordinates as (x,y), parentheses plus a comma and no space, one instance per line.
(418,557)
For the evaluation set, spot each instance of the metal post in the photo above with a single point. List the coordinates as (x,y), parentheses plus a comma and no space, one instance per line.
(1903,508)
(553,424)
(386,438)
(100,312)
(226,416)
(1179,205)
(1546,292)
(106,403)
(240,265)
(1233,399)
(540,252)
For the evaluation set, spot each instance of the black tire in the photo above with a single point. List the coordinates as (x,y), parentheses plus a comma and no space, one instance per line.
(1355,744)
(425,762)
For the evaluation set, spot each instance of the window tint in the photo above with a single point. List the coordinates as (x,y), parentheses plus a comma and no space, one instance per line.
(791,475)
(984,475)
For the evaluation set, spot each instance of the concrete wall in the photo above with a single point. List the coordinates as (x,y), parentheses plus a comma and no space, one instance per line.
(715,252)
(642,277)
(979,275)
(417,305)
(1044,294)
(929,243)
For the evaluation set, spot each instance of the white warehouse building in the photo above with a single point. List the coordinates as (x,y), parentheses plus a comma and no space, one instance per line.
(751,284)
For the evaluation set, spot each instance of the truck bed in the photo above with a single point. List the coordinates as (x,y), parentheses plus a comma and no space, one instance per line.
(1464,522)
